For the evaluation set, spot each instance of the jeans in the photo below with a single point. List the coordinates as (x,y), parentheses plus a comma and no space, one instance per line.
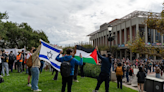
(35,78)
(75,72)
(103,77)
(23,66)
(113,67)
(5,66)
(68,81)
(150,68)
(19,64)
(158,75)
(11,66)
(0,68)
(81,71)
(16,65)
(153,69)
(56,75)
(119,81)
(127,76)
(41,67)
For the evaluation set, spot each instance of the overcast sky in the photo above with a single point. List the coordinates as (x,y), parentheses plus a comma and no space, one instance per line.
(69,21)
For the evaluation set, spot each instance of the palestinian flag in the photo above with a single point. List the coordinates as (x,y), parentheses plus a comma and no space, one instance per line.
(89,55)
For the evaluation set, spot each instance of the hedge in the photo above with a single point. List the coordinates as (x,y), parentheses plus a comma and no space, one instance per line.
(91,70)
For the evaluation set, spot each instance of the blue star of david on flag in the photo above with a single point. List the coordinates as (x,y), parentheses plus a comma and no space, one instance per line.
(49,53)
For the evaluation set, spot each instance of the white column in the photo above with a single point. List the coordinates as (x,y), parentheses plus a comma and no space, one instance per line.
(154,57)
(137,29)
(138,55)
(106,40)
(162,38)
(120,37)
(146,36)
(130,55)
(146,55)
(116,38)
(131,33)
(125,33)
(153,35)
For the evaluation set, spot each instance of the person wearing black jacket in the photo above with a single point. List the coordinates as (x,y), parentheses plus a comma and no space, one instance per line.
(11,60)
(105,71)
(141,78)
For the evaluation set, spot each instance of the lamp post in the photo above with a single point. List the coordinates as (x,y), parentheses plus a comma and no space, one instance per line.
(110,38)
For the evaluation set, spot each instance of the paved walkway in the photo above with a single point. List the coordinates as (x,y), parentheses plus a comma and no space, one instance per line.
(136,88)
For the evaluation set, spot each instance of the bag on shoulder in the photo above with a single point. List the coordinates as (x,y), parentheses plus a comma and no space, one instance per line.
(29,62)
(65,68)
(119,71)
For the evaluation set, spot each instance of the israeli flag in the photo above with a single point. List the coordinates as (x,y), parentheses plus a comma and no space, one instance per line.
(48,53)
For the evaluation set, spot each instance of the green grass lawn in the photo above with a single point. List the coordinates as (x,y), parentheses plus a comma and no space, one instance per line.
(17,82)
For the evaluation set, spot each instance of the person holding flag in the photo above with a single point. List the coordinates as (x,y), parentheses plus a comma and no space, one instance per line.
(105,71)
(68,58)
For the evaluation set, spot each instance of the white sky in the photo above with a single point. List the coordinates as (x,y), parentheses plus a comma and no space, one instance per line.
(69,21)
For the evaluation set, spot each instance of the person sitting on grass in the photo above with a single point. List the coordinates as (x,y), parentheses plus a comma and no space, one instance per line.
(73,62)
(105,71)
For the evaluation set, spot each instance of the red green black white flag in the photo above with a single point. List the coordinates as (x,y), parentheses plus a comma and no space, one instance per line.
(89,55)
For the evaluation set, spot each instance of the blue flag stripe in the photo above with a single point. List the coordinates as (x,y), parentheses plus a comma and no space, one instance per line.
(45,57)
(54,49)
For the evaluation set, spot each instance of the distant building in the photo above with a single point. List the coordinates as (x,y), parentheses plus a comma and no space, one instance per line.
(124,30)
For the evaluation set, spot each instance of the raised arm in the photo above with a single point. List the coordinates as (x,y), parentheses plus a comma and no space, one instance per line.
(58,58)
(101,57)
(81,61)
(37,51)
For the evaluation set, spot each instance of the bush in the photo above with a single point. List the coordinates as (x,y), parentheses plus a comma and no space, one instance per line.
(91,70)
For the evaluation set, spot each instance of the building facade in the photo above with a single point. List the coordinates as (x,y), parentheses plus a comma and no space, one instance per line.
(125,29)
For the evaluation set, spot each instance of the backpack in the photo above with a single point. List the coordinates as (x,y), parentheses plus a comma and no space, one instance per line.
(1,80)
(131,72)
(29,62)
(119,71)
(127,68)
(65,68)
(11,57)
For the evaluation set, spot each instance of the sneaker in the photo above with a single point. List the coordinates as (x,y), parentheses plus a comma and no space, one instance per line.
(29,85)
(8,75)
(38,90)
(1,76)
(76,81)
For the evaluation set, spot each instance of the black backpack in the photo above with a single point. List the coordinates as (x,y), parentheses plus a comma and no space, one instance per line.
(65,68)
(1,80)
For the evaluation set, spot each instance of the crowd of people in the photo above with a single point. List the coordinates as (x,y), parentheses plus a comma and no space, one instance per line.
(122,67)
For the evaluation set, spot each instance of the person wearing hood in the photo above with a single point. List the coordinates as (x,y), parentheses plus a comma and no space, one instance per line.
(105,71)
(73,62)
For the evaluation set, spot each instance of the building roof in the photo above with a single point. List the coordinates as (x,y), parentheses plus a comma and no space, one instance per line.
(127,17)
(93,33)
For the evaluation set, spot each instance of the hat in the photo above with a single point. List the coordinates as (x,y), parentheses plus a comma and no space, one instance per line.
(19,51)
